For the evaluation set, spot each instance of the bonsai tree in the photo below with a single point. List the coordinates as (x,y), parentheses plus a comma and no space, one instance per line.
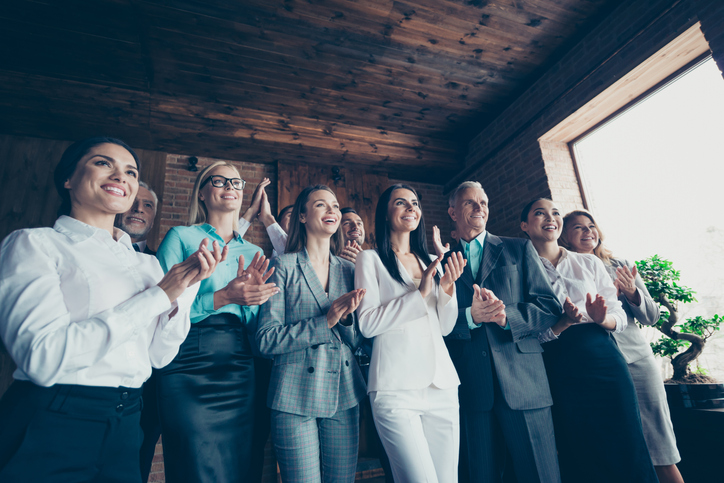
(661,280)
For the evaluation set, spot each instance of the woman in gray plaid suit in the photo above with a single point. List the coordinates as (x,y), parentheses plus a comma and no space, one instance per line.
(310,331)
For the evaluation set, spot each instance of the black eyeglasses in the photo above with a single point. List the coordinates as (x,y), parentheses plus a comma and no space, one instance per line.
(220,182)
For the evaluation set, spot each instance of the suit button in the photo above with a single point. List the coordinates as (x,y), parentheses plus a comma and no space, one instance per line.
(124,395)
(119,408)
(310,370)
(484,353)
(346,363)
(315,346)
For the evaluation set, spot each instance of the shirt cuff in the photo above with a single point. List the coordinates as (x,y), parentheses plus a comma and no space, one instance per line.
(471,325)
(546,336)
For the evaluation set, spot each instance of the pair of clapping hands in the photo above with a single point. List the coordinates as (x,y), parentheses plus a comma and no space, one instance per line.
(260,206)
(248,288)
(486,307)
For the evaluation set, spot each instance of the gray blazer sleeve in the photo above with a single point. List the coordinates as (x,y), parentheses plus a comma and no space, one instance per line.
(648,312)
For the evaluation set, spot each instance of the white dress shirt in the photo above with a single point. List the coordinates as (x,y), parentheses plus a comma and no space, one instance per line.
(79,306)
(277,236)
(577,275)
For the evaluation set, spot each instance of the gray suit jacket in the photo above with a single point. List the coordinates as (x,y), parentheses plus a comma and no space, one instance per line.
(315,373)
(511,269)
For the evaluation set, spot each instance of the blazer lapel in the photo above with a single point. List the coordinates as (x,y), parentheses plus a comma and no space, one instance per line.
(491,252)
(313,281)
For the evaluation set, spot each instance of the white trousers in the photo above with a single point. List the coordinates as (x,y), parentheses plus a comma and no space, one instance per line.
(420,431)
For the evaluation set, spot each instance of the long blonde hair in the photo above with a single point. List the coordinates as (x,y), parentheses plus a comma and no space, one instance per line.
(198,214)
(600,251)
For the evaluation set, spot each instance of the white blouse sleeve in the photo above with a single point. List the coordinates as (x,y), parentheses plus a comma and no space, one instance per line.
(375,318)
(608,291)
(35,323)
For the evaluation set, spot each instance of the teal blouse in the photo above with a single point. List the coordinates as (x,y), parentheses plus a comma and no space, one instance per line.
(182,241)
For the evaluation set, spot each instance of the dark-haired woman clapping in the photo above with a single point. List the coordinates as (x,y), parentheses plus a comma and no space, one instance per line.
(409,307)
(85,317)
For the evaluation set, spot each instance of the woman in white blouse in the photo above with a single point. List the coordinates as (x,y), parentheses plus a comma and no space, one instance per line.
(85,317)
(595,411)
(408,309)
(582,235)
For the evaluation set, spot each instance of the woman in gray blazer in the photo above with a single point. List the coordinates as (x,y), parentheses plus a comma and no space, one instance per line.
(310,331)
(586,237)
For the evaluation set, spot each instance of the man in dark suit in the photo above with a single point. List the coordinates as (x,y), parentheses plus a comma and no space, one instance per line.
(504,301)
(137,222)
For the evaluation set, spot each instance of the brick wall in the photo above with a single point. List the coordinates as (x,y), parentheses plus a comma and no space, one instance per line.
(711,15)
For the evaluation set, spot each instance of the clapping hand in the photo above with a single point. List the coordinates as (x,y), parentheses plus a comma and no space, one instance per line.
(427,278)
(487,307)
(199,266)
(249,287)
(344,306)
(440,249)
(350,251)
(625,283)
(265,214)
(574,315)
(453,269)
(596,308)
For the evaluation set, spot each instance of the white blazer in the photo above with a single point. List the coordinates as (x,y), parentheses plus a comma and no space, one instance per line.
(408,351)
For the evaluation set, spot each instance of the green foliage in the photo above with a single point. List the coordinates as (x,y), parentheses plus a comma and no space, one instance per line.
(702,327)
(666,347)
(660,278)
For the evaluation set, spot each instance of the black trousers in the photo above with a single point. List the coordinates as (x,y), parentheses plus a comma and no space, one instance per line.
(206,403)
(150,425)
(595,410)
(68,433)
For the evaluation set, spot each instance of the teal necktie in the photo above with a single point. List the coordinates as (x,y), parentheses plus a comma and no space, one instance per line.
(472,254)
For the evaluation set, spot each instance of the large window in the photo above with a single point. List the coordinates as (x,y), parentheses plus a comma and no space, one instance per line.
(654,177)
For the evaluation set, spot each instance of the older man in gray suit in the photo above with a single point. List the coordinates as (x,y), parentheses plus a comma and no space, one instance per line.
(504,301)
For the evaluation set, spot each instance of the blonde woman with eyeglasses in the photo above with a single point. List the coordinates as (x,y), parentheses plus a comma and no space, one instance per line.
(206,395)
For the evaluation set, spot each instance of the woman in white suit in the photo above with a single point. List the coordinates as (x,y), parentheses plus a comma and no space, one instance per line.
(408,308)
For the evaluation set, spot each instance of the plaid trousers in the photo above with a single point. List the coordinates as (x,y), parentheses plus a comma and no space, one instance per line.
(311,449)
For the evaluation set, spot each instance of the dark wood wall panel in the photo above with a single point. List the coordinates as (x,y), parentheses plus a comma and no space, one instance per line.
(358,188)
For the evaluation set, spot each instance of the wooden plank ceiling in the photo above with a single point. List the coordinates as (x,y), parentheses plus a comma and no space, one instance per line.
(392,86)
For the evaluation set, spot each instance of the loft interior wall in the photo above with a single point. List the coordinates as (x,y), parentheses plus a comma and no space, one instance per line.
(506,156)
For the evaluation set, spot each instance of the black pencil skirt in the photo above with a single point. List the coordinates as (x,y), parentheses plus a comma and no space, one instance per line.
(69,433)
(206,404)
(595,410)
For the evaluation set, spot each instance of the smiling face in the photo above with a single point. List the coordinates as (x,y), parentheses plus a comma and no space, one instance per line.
(470,212)
(544,222)
(138,221)
(224,199)
(322,215)
(105,181)
(403,211)
(353,228)
(582,234)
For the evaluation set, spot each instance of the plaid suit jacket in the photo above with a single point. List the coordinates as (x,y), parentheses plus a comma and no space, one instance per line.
(510,267)
(315,373)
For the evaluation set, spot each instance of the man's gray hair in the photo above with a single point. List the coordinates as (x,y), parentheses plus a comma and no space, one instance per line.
(143,184)
(462,186)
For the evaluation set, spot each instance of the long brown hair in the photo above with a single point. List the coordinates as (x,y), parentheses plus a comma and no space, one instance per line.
(297,240)
(198,214)
(600,251)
